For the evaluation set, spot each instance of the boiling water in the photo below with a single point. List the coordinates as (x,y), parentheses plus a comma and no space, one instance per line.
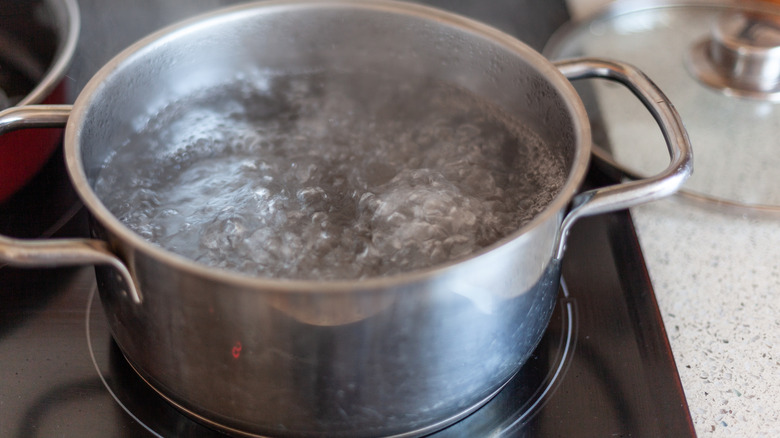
(329,177)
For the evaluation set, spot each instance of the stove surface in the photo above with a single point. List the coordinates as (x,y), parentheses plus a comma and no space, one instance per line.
(603,368)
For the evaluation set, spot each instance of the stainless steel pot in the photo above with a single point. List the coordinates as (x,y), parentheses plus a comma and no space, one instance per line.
(399,355)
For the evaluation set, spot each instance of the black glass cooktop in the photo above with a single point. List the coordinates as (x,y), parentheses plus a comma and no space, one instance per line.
(603,368)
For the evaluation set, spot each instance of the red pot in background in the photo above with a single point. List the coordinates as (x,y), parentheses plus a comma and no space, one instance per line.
(37,41)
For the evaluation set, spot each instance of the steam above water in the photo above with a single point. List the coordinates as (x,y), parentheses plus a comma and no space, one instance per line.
(329,176)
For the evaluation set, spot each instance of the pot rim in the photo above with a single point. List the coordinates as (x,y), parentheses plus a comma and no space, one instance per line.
(557,206)
(68,21)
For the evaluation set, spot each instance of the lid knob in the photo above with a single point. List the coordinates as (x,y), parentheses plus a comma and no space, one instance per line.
(741,57)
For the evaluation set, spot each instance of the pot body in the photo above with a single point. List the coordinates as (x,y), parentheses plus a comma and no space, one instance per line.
(379,360)
(402,355)
(38,39)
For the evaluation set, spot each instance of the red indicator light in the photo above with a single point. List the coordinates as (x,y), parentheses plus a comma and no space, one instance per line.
(236,350)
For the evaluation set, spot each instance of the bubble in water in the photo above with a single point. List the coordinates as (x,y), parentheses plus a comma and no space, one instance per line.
(334,176)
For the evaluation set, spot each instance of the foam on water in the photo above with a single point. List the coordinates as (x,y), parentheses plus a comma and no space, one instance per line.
(329,176)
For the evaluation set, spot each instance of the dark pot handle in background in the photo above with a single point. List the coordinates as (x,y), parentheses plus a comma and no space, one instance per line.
(629,194)
(59,252)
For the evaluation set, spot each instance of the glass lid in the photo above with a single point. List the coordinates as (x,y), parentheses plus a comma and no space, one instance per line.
(719,64)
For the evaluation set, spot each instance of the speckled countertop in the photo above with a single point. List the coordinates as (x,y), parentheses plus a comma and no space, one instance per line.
(715,272)
(716,276)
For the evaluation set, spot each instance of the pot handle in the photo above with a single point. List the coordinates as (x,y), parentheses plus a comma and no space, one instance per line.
(55,252)
(629,194)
